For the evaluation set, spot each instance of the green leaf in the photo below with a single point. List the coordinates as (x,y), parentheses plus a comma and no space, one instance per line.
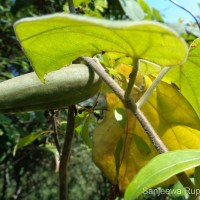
(117,155)
(147,67)
(100,5)
(4,119)
(161,168)
(54,41)
(197,177)
(186,77)
(146,9)
(79,2)
(28,140)
(157,15)
(85,134)
(142,146)
(78,122)
(132,9)
(51,148)
(178,190)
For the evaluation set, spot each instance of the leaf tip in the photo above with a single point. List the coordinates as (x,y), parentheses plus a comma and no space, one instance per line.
(15,149)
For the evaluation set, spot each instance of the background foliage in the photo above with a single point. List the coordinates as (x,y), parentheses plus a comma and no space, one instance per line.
(31,173)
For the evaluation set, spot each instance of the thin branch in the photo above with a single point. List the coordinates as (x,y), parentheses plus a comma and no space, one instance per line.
(193,15)
(71,6)
(156,141)
(51,116)
(98,68)
(131,82)
(55,129)
(66,153)
(154,84)
(187,183)
(129,103)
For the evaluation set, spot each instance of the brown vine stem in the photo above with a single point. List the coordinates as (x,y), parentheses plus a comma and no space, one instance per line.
(128,102)
(71,6)
(55,129)
(132,78)
(66,153)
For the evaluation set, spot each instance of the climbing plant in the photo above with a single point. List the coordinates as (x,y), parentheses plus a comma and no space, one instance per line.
(124,61)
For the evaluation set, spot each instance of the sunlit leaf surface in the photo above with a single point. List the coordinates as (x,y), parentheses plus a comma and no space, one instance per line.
(186,77)
(53,41)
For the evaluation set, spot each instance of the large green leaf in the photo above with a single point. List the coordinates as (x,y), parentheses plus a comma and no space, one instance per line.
(53,41)
(186,77)
(161,168)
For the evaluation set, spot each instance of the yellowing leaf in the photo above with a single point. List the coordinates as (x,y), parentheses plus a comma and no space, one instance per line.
(53,41)
(171,116)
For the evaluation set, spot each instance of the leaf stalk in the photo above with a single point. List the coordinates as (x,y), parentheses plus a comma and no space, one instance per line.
(154,84)
(132,79)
